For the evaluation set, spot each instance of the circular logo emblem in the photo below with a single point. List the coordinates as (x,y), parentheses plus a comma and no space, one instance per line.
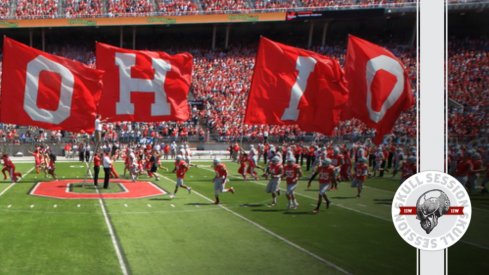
(431,210)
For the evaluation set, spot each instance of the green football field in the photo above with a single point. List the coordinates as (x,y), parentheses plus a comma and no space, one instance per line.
(190,235)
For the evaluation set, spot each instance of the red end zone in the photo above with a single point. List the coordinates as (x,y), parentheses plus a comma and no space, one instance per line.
(132,190)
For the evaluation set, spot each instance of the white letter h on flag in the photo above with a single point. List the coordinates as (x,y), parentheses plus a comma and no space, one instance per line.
(127,84)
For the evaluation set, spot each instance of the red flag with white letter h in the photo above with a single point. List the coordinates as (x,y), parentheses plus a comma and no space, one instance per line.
(144,86)
(295,86)
(379,86)
(48,91)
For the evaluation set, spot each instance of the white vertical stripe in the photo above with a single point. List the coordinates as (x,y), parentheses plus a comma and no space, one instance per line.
(432,108)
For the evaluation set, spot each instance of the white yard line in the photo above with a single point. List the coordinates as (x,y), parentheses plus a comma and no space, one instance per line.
(115,242)
(328,263)
(352,209)
(13,183)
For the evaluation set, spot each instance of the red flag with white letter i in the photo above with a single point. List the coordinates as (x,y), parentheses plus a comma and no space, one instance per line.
(144,86)
(48,91)
(379,86)
(295,86)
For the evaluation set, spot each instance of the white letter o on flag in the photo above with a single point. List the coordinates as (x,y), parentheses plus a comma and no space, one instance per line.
(392,66)
(34,69)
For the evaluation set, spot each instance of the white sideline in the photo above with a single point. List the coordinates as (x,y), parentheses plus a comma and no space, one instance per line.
(115,243)
(13,183)
(328,263)
(351,209)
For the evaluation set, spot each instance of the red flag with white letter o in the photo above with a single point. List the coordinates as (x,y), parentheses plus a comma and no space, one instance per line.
(379,86)
(48,91)
(295,86)
(144,86)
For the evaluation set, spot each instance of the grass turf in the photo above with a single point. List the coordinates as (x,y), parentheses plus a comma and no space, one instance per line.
(189,235)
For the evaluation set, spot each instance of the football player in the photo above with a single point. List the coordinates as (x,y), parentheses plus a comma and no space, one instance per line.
(361,173)
(275,170)
(7,162)
(52,166)
(408,168)
(220,180)
(37,159)
(477,167)
(327,176)
(181,169)
(292,173)
(243,160)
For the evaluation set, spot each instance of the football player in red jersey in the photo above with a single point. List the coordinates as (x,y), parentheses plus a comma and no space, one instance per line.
(361,173)
(337,160)
(4,170)
(408,168)
(220,179)
(477,168)
(251,168)
(14,176)
(292,173)
(485,180)
(181,168)
(464,166)
(243,160)
(275,170)
(327,176)
(345,169)
(52,166)
(379,160)
(37,159)
(127,161)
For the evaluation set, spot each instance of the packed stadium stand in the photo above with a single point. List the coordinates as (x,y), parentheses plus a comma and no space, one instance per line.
(29,9)
(87,8)
(468,88)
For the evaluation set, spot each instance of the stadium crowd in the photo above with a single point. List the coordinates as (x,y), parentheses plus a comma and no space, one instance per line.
(175,6)
(85,8)
(468,67)
(82,8)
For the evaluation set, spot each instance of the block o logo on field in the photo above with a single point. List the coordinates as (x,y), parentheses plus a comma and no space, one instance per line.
(132,190)
(431,210)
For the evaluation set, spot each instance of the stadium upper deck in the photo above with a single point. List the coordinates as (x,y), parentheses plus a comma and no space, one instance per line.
(28,9)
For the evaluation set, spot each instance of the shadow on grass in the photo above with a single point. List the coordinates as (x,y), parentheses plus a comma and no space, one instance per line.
(344,197)
(268,210)
(252,205)
(383,201)
(200,203)
(299,213)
